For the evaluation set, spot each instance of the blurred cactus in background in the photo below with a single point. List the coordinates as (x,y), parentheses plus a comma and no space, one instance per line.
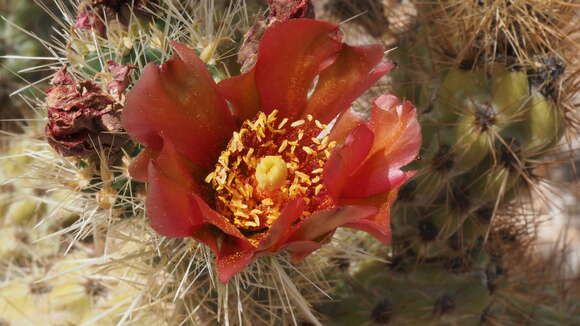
(496,83)
(497,89)
(17,47)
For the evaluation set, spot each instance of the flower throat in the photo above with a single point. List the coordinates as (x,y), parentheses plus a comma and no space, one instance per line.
(267,163)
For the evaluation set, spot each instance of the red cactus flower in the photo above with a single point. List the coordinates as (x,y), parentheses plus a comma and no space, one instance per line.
(259,175)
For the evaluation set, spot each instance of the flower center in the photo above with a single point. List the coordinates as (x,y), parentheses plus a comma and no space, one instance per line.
(271,173)
(267,163)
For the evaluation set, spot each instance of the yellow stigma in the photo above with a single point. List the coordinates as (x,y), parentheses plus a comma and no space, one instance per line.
(271,173)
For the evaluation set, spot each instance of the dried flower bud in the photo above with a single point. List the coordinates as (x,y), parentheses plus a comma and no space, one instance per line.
(82,116)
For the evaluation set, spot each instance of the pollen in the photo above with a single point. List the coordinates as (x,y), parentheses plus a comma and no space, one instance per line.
(268,162)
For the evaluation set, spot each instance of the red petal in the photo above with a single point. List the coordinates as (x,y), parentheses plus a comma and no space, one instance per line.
(179,101)
(232,259)
(216,219)
(397,142)
(178,168)
(300,249)
(378,225)
(208,235)
(232,249)
(345,125)
(346,159)
(325,221)
(242,93)
(352,73)
(374,177)
(379,229)
(291,54)
(280,228)
(170,206)
(135,114)
(139,166)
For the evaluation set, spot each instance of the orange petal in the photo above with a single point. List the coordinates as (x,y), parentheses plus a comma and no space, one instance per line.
(345,124)
(397,142)
(354,71)
(290,56)
(380,228)
(374,177)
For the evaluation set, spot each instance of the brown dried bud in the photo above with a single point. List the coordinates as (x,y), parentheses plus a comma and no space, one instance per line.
(280,11)
(82,117)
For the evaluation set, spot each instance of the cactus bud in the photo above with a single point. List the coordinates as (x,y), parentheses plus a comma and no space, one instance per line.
(460,87)
(510,93)
(545,125)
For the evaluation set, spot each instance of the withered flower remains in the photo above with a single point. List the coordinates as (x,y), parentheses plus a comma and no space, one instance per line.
(82,116)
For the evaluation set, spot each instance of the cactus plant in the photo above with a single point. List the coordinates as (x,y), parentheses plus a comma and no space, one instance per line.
(17,48)
(491,113)
(495,84)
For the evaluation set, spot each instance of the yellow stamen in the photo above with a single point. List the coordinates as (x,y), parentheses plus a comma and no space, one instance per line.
(318,189)
(282,123)
(283,146)
(308,150)
(297,123)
